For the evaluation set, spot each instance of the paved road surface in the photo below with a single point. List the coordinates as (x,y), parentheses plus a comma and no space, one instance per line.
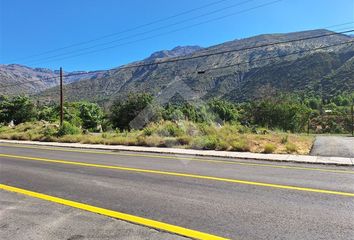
(333,146)
(23,217)
(244,208)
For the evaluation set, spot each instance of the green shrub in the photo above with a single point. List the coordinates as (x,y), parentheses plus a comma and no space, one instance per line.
(3,129)
(205,142)
(269,148)
(50,131)
(211,142)
(20,136)
(148,131)
(91,115)
(68,129)
(151,141)
(291,148)
(188,128)
(240,145)
(170,142)
(222,145)
(207,129)
(225,111)
(284,139)
(20,109)
(125,112)
(169,129)
(184,140)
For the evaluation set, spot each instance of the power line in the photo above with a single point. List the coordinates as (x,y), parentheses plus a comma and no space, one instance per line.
(338,25)
(150,31)
(126,30)
(162,34)
(228,51)
(194,57)
(281,56)
(263,59)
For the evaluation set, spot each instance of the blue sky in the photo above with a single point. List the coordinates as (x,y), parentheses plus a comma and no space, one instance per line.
(33,27)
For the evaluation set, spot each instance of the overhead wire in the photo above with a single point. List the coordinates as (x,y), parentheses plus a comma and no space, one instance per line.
(124,31)
(149,31)
(156,35)
(258,60)
(193,57)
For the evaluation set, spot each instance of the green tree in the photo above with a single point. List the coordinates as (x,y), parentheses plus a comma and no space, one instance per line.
(91,115)
(123,112)
(224,110)
(188,111)
(48,113)
(19,109)
(286,115)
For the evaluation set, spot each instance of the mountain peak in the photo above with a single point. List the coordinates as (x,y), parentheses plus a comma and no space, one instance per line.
(178,51)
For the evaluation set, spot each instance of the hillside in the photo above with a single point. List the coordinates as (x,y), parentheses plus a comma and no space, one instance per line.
(324,72)
(20,79)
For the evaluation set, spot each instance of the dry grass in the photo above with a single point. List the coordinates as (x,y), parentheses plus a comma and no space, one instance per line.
(169,134)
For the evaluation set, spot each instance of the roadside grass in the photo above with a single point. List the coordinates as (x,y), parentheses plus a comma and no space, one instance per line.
(182,134)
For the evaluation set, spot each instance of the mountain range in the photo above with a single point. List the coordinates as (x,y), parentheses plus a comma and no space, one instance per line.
(197,73)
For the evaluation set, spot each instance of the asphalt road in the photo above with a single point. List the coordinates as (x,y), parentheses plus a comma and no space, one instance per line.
(338,146)
(260,201)
(26,218)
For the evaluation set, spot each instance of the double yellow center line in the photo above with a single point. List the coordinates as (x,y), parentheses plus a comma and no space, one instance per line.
(177,174)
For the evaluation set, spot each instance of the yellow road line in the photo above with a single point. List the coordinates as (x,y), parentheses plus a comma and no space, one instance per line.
(176,174)
(123,216)
(184,158)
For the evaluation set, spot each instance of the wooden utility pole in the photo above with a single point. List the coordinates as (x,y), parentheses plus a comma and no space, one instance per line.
(352,116)
(61,98)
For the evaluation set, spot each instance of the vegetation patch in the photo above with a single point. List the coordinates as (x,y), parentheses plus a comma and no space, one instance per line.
(269,148)
(270,125)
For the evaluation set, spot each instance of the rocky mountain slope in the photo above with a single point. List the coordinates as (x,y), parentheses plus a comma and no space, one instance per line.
(20,79)
(283,67)
(178,51)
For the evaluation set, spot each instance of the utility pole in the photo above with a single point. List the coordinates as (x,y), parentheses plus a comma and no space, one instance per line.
(61,98)
(352,116)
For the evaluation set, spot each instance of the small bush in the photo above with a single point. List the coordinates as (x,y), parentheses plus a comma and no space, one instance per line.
(68,129)
(170,142)
(269,148)
(240,146)
(184,140)
(205,142)
(115,141)
(3,129)
(291,148)
(20,136)
(50,131)
(284,139)
(222,145)
(211,142)
(148,131)
(189,128)
(207,129)
(151,141)
(169,129)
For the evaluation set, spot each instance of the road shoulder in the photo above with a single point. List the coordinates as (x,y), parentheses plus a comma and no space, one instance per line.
(209,153)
